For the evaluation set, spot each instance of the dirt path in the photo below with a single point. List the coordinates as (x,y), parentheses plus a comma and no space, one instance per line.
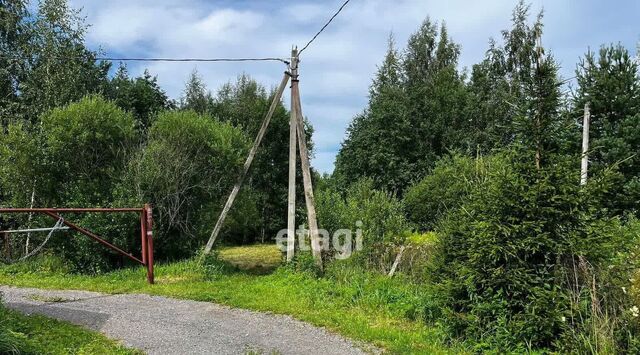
(160,325)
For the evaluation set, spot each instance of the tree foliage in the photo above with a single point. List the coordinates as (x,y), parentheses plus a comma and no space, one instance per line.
(45,62)
(415,106)
(445,189)
(185,170)
(610,83)
(142,96)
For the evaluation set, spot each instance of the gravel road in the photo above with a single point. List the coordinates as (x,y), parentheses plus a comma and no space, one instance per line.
(160,325)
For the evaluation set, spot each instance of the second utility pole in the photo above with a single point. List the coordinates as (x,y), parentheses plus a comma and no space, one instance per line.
(296,111)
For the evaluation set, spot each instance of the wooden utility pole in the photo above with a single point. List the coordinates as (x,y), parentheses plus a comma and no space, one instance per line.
(306,173)
(247,163)
(293,126)
(584,166)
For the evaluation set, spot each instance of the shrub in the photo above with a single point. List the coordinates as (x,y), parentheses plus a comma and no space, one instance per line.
(87,145)
(417,257)
(444,189)
(506,255)
(379,216)
(75,158)
(185,171)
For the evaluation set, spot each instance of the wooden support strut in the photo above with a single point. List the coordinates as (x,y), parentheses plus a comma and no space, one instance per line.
(306,175)
(247,164)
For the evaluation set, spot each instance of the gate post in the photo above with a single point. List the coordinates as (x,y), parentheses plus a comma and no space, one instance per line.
(143,235)
(149,236)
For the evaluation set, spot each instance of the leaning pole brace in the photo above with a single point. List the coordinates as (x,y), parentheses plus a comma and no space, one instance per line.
(247,164)
(306,172)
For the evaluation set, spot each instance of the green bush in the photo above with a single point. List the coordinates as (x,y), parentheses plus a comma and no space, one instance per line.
(507,255)
(444,189)
(185,171)
(75,158)
(417,258)
(87,145)
(375,214)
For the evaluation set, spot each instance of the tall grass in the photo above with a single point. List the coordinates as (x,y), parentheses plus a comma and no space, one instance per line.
(9,341)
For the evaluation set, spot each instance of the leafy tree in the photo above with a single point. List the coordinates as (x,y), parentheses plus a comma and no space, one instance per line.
(610,84)
(141,96)
(186,170)
(13,36)
(514,93)
(244,104)
(415,113)
(87,145)
(196,96)
(75,157)
(489,114)
(436,94)
(60,69)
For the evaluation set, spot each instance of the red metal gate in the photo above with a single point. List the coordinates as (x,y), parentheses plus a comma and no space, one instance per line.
(146,229)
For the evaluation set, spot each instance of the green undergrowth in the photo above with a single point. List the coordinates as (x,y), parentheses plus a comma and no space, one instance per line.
(41,335)
(392,314)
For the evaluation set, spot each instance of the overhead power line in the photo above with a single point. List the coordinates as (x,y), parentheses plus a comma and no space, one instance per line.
(116,59)
(323,27)
(112,59)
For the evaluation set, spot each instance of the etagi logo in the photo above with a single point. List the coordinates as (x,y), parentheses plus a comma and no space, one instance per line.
(342,240)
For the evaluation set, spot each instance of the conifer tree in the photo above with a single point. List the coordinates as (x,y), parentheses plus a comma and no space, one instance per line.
(379,141)
(610,83)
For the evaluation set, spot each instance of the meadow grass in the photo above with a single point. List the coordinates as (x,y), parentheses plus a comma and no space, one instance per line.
(371,308)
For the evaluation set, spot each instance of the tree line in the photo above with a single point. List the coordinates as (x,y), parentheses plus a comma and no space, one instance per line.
(488,161)
(474,173)
(74,135)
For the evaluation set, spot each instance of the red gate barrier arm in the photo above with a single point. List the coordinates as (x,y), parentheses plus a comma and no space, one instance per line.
(90,235)
(60,210)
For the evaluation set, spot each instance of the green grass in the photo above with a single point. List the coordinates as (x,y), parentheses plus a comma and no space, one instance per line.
(40,335)
(367,307)
(258,259)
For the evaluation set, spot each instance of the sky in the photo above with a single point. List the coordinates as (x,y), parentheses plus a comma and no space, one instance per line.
(336,70)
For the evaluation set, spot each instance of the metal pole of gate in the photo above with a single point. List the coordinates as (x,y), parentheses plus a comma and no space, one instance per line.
(148,213)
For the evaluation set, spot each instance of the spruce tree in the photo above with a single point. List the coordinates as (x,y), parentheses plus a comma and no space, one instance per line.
(610,83)
(378,143)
